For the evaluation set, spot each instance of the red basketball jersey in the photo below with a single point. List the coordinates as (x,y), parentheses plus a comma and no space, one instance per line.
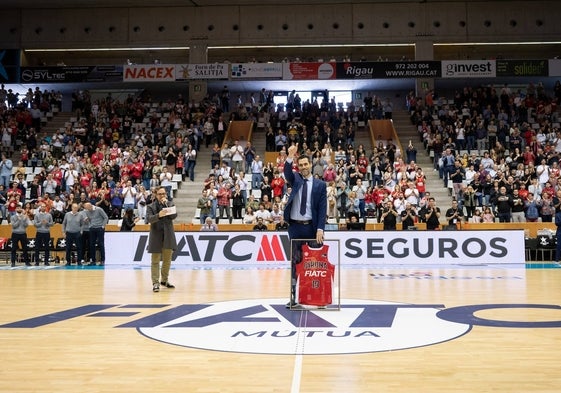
(315,276)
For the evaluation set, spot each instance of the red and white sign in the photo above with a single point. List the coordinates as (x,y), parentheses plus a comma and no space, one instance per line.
(308,71)
(149,73)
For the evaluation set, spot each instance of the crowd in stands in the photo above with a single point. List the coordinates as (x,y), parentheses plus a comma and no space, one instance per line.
(496,148)
(243,187)
(112,153)
(115,152)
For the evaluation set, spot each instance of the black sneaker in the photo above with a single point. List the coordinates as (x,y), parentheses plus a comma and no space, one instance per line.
(167,284)
(156,287)
(47,264)
(293,306)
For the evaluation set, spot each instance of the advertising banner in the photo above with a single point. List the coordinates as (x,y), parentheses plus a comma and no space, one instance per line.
(388,70)
(256,71)
(469,69)
(149,73)
(202,71)
(356,248)
(308,71)
(522,68)
(71,74)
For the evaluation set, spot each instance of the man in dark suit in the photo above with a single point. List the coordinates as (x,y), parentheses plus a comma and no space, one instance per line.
(161,240)
(306,208)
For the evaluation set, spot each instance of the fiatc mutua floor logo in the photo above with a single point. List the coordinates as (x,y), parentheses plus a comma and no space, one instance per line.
(265,326)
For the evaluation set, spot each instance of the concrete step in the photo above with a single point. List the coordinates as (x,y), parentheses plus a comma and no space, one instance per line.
(189,192)
(408,132)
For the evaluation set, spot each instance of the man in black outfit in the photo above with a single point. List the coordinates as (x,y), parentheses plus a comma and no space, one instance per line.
(408,217)
(389,217)
(454,215)
(432,215)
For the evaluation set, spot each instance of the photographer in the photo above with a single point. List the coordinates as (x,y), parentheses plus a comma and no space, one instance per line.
(129,221)
(389,216)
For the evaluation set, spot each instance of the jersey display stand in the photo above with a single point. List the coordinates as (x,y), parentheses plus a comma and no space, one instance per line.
(315,275)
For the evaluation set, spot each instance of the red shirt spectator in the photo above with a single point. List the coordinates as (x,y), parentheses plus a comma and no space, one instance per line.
(420,184)
(85,179)
(528,156)
(13,204)
(380,194)
(136,170)
(223,196)
(277,185)
(115,123)
(362,164)
(114,152)
(57,175)
(14,192)
(97,157)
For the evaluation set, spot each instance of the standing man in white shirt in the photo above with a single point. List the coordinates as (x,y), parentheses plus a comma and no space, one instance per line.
(70,176)
(256,173)
(360,190)
(165,181)
(543,172)
(129,195)
(236,152)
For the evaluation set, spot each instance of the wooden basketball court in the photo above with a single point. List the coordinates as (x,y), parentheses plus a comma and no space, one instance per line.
(104,343)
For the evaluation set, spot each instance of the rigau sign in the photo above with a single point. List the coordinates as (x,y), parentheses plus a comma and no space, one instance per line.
(387,247)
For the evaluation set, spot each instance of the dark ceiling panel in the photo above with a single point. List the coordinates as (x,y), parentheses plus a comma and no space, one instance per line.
(184,3)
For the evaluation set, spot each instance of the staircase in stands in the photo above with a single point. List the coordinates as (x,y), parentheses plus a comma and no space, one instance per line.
(408,132)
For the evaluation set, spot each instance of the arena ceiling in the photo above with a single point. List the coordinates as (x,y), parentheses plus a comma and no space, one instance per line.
(394,85)
(185,3)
